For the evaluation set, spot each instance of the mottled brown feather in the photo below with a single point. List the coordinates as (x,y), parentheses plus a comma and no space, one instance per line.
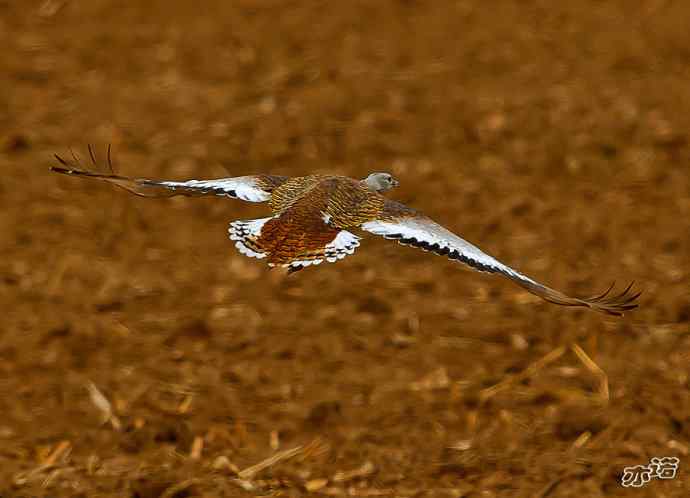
(269,183)
(351,203)
(291,191)
(298,231)
(394,210)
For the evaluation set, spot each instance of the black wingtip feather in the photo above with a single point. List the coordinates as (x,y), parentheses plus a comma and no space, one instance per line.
(91,153)
(61,160)
(617,304)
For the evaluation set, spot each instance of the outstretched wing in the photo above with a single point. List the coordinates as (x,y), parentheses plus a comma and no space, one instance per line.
(410,227)
(255,188)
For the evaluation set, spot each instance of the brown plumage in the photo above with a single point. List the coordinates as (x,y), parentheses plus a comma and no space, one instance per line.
(297,231)
(312,218)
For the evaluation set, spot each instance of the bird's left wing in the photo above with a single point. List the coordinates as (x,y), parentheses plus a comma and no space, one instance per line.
(410,227)
(254,188)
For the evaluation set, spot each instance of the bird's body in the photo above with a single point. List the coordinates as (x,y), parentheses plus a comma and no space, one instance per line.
(313,219)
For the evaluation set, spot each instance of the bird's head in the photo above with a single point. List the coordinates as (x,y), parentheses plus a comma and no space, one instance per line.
(380,182)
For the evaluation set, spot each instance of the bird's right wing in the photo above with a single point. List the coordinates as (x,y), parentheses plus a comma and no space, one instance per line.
(255,188)
(410,227)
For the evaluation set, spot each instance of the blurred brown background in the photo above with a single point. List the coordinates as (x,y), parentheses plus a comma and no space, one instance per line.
(553,135)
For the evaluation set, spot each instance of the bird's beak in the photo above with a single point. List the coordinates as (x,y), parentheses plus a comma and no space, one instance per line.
(395,182)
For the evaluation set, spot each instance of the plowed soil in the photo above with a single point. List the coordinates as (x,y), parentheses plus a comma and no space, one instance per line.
(141,356)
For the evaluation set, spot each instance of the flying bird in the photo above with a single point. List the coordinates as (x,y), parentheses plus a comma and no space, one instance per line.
(313,218)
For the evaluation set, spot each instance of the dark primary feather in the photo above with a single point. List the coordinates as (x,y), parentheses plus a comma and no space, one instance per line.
(610,304)
(134,185)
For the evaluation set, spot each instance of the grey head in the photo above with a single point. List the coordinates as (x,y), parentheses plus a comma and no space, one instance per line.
(380,182)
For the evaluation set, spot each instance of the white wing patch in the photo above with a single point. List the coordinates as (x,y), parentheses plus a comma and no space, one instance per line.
(244,232)
(241,187)
(430,236)
(344,243)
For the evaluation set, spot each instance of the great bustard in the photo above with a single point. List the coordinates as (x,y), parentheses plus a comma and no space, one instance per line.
(312,218)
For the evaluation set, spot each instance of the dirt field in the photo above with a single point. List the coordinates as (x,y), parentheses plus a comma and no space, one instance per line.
(553,135)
